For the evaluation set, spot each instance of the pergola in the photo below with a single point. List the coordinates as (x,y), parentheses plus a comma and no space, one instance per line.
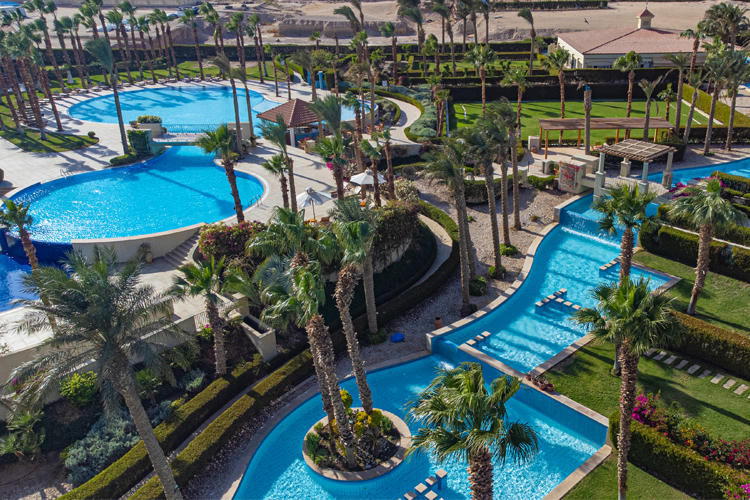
(579,124)
(646,152)
(295,113)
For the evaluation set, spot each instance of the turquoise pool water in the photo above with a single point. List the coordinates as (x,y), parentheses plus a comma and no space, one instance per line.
(179,188)
(12,272)
(683,175)
(190,105)
(569,257)
(277,470)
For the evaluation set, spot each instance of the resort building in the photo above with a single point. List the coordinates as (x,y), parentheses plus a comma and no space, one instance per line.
(600,48)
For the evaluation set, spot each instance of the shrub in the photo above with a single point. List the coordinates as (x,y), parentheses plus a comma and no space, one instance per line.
(123,159)
(683,246)
(396,226)
(409,171)
(138,140)
(91,134)
(478,287)
(495,275)
(541,183)
(148,119)
(79,389)
(472,308)
(735,182)
(375,338)
(508,251)
(223,241)
(406,190)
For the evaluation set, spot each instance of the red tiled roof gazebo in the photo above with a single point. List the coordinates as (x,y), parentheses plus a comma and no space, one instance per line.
(295,113)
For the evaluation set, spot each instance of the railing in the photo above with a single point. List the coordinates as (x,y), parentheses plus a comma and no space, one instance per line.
(187,128)
(255,199)
(65,172)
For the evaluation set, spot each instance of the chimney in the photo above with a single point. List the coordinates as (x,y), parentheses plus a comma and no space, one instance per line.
(644,20)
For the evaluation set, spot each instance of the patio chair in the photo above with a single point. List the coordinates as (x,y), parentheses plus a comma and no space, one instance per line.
(162,80)
(196,80)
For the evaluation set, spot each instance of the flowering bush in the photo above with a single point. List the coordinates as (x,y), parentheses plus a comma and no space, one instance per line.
(738,492)
(406,190)
(225,241)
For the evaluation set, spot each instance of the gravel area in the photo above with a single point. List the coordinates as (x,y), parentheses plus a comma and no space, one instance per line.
(40,481)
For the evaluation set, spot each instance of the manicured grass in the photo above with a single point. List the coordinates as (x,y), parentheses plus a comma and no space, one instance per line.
(725,302)
(460,65)
(601,483)
(586,378)
(531,112)
(32,142)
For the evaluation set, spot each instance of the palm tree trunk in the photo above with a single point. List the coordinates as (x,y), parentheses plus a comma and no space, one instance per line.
(627,403)
(155,453)
(646,120)
(152,50)
(237,118)
(667,102)
(198,51)
(705,235)
(516,182)
(51,55)
(122,57)
(318,335)
(148,57)
(561,79)
(136,55)
(389,162)
(276,77)
(83,60)
(372,88)
(77,57)
(481,474)
(14,114)
(375,183)
(66,56)
(42,75)
(710,127)
(369,283)
(258,58)
(263,52)
(487,31)
(504,201)
(420,39)
(463,247)
(292,188)
(395,60)
(171,49)
(689,121)
(678,104)
(453,51)
(348,277)
(730,126)
(442,28)
(489,181)
(463,49)
(10,74)
(483,75)
(631,81)
(217,325)
(289,87)
(240,48)
(31,94)
(28,248)
(531,50)
(284,190)
(249,111)
(123,137)
(232,178)
(696,45)
(626,253)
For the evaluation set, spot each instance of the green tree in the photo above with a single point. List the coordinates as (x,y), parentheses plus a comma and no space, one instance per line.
(705,210)
(275,133)
(461,417)
(697,35)
(481,56)
(738,75)
(102,312)
(726,20)
(189,19)
(275,60)
(21,439)
(129,11)
(222,62)
(219,143)
(332,149)
(43,8)
(374,152)
(648,88)
(680,62)
(695,79)
(236,23)
(628,64)
(527,16)
(142,25)
(718,65)
(556,61)
(238,74)
(115,17)
(413,14)
(502,112)
(630,315)
(102,53)
(276,166)
(667,95)
(388,30)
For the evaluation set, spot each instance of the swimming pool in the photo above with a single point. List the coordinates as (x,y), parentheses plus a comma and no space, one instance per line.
(569,257)
(12,271)
(567,440)
(202,107)
(179,188)
(683,175)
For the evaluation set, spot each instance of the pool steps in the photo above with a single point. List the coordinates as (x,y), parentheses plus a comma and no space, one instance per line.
(181,255)
(424,490)
(558,300)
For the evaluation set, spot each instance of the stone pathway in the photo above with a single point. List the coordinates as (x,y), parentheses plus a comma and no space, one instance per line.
(718,378)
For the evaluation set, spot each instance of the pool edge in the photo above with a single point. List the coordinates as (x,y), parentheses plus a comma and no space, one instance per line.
(575,477)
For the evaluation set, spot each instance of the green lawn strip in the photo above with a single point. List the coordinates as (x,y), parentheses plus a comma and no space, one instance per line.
(531,112)
(724,302)
(32,142)
(460,65)
(602,483)
(586,378)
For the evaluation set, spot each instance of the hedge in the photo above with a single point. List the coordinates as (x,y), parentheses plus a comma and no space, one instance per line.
(207,444)
(716,345)
(541,183)
(656,453)
(733,234)
(552,5)
(735,182)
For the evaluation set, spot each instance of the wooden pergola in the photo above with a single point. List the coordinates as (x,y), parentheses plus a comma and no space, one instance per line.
(579,124)
(637,150)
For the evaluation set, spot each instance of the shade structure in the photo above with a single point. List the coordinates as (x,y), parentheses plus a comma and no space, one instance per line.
(366,179)
(295,113)
(637,150)
(310,197)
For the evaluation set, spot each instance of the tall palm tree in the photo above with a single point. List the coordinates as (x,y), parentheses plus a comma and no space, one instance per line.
(78,20)
(251,32)
(388,30)
(374,153)
(189,19)
(695,80)
(351,18)
(219,143)
(304,59)
(414,15)
(276,166)
(212,18)
(332,149)
(726,20)
(444,11)
(114,16)
(258,25)
(37,63)
(20,44)
(355,242)
(717,67)
(70,26)
(481,56)
(738,74)
(667,95)
(461,417)
(386,135)
(5,83)
(164,20)
(432,49)
(275,60)
(15,216)
(237,24)
(361,38)
(275,133)
(503,114)
(462,10)
(88,12)
(705,209)
(60,31)
(222,62)
(486,8)
(129,11)
(648,88)
(102,312)
(101,51)
(7,52)
(143,25)
(516,77)
(697,34)
(527,16)
(46,8)
(206,279)
(631,315)
(351,102)
(238,74)
(680,62)
(556,61)
(628,64)
(446,167)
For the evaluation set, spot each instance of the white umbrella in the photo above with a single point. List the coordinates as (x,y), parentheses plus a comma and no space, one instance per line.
(366,179)
(311,197)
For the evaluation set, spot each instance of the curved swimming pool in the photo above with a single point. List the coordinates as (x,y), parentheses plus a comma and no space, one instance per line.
(683,175)
(179,188)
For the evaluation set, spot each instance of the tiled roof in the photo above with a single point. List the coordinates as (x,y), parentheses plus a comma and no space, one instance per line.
(295,113)
(645,13)
(623,40)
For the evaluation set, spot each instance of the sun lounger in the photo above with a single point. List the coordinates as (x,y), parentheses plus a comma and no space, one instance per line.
(196,79)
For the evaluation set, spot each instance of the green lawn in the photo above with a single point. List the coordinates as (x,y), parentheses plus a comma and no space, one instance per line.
(724,302)
(531,112)
(460,65)
(31,141)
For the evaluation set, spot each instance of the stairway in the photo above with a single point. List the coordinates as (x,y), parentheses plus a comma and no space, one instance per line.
(181,255)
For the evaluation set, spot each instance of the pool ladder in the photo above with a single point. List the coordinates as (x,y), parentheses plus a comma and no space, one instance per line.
(256,199)
(65,173)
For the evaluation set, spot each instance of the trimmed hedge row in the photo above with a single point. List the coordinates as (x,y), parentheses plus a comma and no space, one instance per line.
(207,444)
(716,345)
(735,182)
(741,129)
(734,234)
(651,450)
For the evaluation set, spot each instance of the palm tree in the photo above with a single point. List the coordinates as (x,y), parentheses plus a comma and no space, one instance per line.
(255,21)
(219,143)
(726,20)
(276,60)
(628,64)
(697,34)
(386,135)
(355,242)
(303,58)
(414,15)
(667,95)
(143,25)
(60,31)
(315,37)
(6,84)
(114,16)
(101,51)
(388,30)
(70,26)
(206,279)
(503,114)
(18,46)
(88,12)
(332,149)
(527,16)
(736,76)
(481,56)
(631,315)
(189,18)
(695,80)
(648,90)
(461,417)
(351,102)
(517,77)
(276,166)
(251,31)
(556,61)
(164,19)
(432,49)
(705,209)
(680,62)
(41,70)
(236,23)
(348,13)
(102,312)
(45,8)
(129,10)
(275,133)
(78,20)
(446,167)
(462,10)
(444,11)
(717,66)
(361,39)
(238,74)
(16,216)
(374,153)
(485,8)
(222,62)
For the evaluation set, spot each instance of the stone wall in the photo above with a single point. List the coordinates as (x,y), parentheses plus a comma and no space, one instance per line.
(296,26)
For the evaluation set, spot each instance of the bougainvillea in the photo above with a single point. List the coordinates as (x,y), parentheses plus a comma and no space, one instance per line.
(221,240)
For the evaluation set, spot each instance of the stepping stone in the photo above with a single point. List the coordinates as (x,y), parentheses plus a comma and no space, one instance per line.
(660,356)
(557,293)
(539,304)
(563,291)
(559,301)
(717,378)
(650,351)
(486,334)
(568,304)
(576,307)
(421,488)
(682,364)
(670,360)
(729,384)
(410,496)
(693,369)
(603,268)
(705,374)
(431,481)
(431,495)
(551,297)
(471,342)
(741,389)
(545,300)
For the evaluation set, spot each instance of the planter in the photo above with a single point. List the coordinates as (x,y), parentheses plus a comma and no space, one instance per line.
(550,388)
(438,323)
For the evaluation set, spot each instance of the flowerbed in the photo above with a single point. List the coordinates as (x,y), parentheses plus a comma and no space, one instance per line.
(228,242)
